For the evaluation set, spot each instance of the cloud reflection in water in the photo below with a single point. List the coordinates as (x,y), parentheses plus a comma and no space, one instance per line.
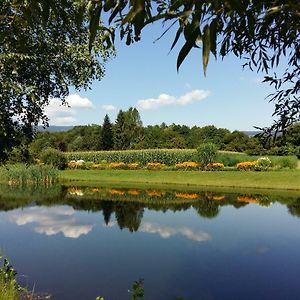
(51,220)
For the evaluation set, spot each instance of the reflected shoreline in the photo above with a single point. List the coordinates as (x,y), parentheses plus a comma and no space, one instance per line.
(129,203)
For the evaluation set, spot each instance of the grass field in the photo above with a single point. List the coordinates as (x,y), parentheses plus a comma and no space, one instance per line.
(281,180)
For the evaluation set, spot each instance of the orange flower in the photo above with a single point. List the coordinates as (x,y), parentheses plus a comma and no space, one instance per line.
(117,192)
(216,197)
(246,165)
(155,193)
(186,195)
(133,166)
(133,192)
(247,199)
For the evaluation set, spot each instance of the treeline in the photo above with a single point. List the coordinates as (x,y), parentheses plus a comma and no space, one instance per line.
(128,132)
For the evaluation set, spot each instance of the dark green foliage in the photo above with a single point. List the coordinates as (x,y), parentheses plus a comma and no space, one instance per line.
(107,142)
(121,141)
(207,153)
(53,157)
(137,291)
(44,50)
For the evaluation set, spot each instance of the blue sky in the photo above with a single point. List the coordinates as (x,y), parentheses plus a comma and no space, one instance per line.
(144,75)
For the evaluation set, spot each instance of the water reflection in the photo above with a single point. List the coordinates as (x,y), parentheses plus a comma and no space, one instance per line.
(51,220)
(194,243)
(127,205)
(167,232)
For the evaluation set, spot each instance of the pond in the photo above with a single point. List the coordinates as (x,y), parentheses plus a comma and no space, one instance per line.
(83,242)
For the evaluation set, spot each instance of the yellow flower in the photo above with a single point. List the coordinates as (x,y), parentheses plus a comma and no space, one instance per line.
(117,192)
(186,195)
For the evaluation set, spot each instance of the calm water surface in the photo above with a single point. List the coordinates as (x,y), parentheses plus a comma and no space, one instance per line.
(78,243)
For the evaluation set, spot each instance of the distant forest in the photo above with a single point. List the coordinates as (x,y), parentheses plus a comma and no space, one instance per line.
(128,132)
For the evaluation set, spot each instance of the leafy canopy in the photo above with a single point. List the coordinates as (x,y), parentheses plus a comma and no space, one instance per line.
(44,49)
(262,33)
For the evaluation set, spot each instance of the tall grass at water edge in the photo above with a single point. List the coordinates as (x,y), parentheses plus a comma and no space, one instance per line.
(23,174)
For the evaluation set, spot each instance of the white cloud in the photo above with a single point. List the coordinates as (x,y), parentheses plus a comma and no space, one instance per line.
(108,107)
(167,232)
(66,114)
(165,99)
(51,220)
(76,101)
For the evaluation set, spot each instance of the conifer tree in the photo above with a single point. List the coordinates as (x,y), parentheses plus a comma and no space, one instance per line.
(107,134)
(120,140)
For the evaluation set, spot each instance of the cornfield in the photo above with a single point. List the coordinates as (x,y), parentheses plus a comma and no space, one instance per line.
(164,156)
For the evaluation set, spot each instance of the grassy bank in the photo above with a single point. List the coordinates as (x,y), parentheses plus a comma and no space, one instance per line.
(282,180)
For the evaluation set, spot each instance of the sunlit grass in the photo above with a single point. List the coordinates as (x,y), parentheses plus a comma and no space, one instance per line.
(284,180)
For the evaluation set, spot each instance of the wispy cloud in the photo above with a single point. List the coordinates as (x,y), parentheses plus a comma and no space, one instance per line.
(165,99)
(108,107)
(167,232)
(66,114)
(51,221)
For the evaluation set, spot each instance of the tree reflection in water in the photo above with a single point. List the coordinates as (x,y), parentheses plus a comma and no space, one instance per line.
(129,205)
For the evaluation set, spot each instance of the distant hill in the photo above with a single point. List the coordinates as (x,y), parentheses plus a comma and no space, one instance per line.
(251,133)
(55,128)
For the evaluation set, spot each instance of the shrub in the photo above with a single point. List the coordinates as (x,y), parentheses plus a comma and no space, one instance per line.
(118,165)
(207,153)
(154,166)
(263,164)
(246,165)
(53,157)
(284,162)
(215,166)
(133,166)
(187,165)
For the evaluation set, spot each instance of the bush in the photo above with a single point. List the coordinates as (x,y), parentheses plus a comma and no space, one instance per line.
(263,164)
(53,157)
(187,165)
(215,167)
(284,162)
(207,153)
(246,165)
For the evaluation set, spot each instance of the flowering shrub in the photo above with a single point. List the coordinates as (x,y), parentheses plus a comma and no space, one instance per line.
(133,192)
(246,165)
(117,192)
(119,165)
(133,166)
(186,195)
(248,199)
(99,166)
(154,166)
(215,197)
(155,193)
(76,164)
(75,191)
(215,166)
(187,165)
(263,164)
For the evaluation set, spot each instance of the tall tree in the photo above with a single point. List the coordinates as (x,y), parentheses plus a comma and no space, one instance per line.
(133,126)
(120,140)
(107,142)
(44,48)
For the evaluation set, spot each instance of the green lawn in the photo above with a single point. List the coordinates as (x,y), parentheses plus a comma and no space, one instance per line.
(283,180)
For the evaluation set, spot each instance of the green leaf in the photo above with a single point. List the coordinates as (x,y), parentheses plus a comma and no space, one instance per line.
(184,52)
(206,47)
(178,34)
(94,24)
